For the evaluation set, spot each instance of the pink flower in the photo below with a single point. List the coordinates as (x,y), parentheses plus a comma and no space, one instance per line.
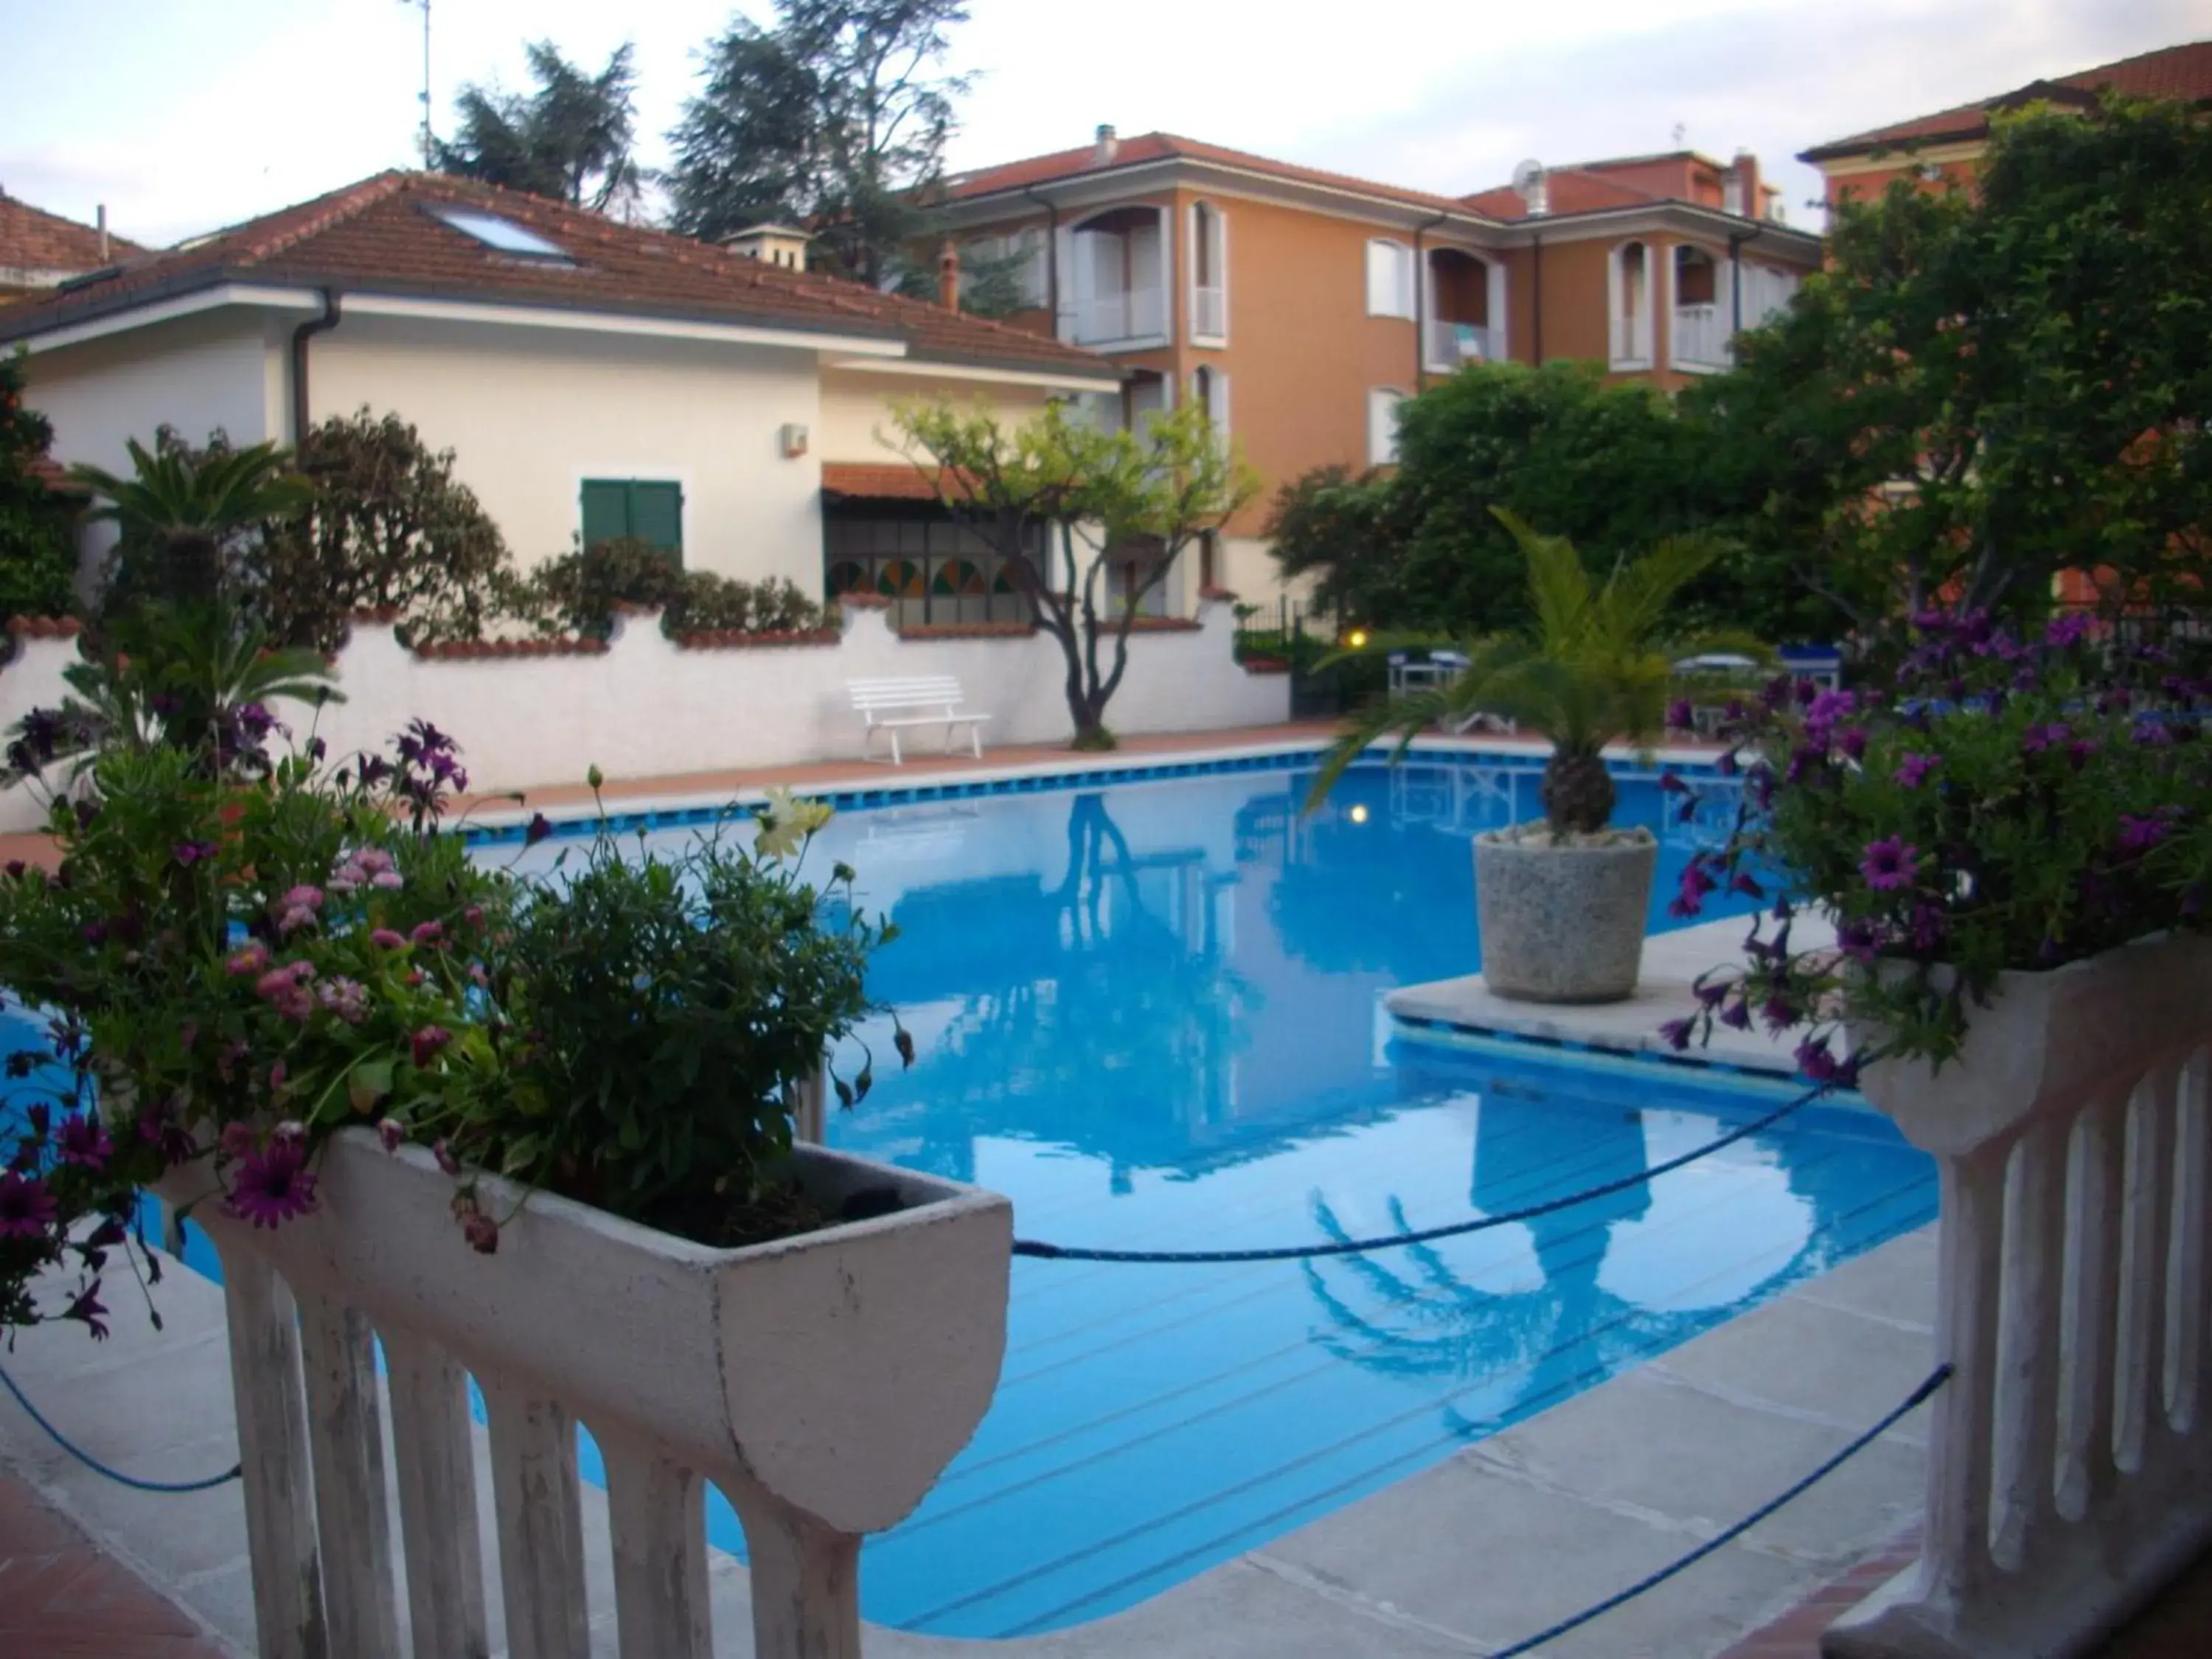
(427,1043)
(388,880)
(276,1076)
(237,1140)
(444,1155)
(385,940)
(303,897)
(251,958)
(346,998)
(481,1231)
(373,861)
(388,1131)
(427,932)
(27,1208)
(273,1187)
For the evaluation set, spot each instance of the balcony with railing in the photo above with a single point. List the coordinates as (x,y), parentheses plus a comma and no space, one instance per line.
(1701,337)
(1138,314)
(1452,342)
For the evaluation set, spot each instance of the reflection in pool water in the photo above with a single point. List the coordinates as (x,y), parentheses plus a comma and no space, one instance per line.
(1153,1015)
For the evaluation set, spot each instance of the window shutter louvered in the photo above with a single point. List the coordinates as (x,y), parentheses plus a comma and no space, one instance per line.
(607,510)
(656,517)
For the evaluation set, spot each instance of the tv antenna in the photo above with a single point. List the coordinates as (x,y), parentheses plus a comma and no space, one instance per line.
(1680,131)
(424,7)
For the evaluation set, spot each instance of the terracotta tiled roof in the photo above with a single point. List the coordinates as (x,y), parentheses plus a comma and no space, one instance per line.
(1570,190)
(50,472)
(31,239)
(381,236)
(2184,72)
(1167,146)
(869,482)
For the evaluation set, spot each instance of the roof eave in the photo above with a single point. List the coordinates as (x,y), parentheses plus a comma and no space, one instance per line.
(1124,170)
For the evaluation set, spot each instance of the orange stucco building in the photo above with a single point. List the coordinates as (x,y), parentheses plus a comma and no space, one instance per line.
(1301,307)
(1939,149)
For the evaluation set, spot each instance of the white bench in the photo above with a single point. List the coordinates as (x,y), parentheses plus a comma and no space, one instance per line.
(891,706)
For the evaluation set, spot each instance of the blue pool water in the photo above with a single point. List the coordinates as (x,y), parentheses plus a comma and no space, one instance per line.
(1152,1013)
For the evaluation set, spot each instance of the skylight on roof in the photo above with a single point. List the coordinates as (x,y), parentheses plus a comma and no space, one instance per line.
(500,235)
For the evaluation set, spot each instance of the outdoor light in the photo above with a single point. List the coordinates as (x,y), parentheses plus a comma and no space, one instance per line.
(792,437)
(1357,639)
(1359,815)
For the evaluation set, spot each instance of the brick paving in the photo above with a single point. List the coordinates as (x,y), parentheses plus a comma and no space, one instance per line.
(2177,1625)
(63,1597)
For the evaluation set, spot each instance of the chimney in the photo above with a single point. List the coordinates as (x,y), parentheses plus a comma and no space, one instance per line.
(1109,145)
(1745,179)
(948,276)
(102,221)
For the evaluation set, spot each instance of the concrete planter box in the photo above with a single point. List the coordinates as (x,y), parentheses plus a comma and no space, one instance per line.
(1562,924)
(2070,1469)
(823,1382)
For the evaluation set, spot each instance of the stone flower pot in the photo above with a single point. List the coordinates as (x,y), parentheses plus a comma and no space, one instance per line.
(2069,1454)
(823,1382)
(1563,923)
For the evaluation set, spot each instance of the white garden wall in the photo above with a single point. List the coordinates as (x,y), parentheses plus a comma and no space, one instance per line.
(646,707)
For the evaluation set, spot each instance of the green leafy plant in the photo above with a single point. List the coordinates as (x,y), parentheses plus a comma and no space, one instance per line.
(2019,805)
(182,516)
(1595,667)
(667,1007)
(580,593)
(37,554)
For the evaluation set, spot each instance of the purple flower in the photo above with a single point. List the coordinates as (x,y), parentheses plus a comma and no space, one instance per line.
(1927,931)
(2139,834)
(1672,784)
(1713,994)
(1829,706)
(1859,940)
(1737,1015)
(1676,1032)
(1815,1062)
(237,1139)
(27,1208)
(1742,882)
(385,940)
(84,1142)
(390,1132)
(2038,737)
(2151,733)
(2066,630)
(540,826)
(1726,765)
(273,1185)
(444,1156)
(85,1308)
(189,853)
(1778,1011)
(1889,864)
(426,1044)
(1853,741)
(1912,768)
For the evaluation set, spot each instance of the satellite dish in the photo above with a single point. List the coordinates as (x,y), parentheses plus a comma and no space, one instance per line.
(1528,176)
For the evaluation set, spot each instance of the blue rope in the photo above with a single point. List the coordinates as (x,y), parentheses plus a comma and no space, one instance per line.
(99,1467)
(1935,1380)
(1030,1247)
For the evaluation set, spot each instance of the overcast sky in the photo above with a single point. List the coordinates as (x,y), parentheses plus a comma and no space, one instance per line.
(182,115)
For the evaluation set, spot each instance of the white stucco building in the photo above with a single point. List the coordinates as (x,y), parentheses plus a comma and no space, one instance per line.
(592,378)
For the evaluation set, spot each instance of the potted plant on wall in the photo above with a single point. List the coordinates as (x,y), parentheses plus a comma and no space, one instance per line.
(1992,917)
(537,1132)
(1561,901)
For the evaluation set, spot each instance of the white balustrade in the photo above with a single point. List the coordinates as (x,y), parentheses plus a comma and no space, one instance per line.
(2069,1463)
(1209,312)
(1452,342)
(1631,341)
(1700,337)
(1127,314)
(821,1382)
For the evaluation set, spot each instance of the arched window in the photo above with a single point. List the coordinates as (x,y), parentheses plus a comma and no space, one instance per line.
(1209,275)
(1628,287)
(1702,323)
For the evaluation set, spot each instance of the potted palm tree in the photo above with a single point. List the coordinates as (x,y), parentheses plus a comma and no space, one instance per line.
(1561,901)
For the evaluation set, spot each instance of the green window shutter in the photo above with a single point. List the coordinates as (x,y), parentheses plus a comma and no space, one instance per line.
(607,510)
(656,516)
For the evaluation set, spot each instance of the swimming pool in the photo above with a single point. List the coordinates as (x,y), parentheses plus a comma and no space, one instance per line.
(1152,1013)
